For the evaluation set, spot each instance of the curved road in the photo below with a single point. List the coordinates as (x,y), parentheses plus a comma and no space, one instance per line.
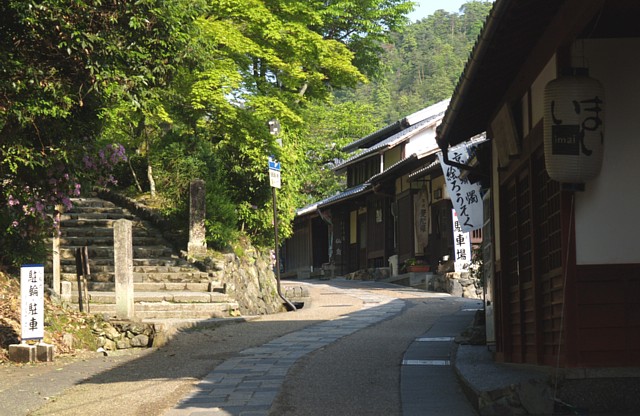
(351,352)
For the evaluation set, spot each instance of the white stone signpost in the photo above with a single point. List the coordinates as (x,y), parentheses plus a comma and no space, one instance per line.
(31,317)
(32,301)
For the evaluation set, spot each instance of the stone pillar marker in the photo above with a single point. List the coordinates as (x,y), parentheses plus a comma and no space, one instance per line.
(197,246)
(123,263)
(55,253)
(55,258)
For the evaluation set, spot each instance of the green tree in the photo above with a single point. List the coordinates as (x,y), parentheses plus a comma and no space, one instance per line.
(422,63)
(64,63)
(186,86)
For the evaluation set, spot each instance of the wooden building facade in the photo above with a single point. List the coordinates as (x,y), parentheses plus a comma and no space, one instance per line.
(566,263)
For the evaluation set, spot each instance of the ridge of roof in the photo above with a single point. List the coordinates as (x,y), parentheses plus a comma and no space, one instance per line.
(398,126)
(393,140)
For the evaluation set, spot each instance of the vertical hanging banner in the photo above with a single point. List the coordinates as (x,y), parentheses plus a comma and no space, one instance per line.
(461,246)
(421,223)
(32,301)
(465,196)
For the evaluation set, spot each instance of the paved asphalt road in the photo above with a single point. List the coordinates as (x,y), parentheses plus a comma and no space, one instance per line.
(357,373)
(360,374)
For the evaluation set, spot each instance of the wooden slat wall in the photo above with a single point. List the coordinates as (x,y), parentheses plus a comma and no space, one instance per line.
(298,247)
(405,228)
(532,263)
(376,234)
(519,266)
(548,248)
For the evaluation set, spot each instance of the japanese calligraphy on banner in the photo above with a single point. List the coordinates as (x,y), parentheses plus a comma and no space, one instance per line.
(421,223)
(465,196)
(32,301)
(461,246)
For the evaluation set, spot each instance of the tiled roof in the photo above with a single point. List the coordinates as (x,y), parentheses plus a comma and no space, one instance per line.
(408,121)
(351,192)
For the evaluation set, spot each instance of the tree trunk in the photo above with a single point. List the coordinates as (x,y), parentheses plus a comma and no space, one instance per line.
(135,177)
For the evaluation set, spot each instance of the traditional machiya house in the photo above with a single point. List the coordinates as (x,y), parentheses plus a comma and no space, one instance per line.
(366,225)
(556,86)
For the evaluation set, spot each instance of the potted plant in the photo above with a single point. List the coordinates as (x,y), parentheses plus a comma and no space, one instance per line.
(416,265)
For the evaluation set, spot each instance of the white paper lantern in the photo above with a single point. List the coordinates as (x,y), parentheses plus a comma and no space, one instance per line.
(574,127)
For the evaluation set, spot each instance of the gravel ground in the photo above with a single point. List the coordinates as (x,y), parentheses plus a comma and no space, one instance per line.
(148,382)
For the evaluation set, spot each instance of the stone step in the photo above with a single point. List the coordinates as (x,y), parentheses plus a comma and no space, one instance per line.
(173,261)
(103,297)
(165,286)
(97,222)
(92,202)
(168,310)
(106,252)
(112,214)
(84,209)
(193,276)
(69,267)
(137,231)
(107,240)
(211,286)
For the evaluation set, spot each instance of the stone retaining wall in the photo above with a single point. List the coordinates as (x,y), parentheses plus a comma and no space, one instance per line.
(249,279)
(458,284)
(118,335)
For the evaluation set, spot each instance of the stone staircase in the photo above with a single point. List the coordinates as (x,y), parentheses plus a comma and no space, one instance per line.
(165,286)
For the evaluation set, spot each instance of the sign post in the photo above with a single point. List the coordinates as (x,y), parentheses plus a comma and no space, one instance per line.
(32,301)
(274,181)
(274,173)
(31,317)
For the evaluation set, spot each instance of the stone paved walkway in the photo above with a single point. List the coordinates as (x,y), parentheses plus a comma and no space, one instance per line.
(248,384)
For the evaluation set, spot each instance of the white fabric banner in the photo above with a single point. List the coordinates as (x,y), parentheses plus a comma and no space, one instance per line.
(461,246)
(465,196)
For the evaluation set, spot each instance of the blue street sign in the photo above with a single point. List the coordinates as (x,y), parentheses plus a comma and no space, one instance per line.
(274,164)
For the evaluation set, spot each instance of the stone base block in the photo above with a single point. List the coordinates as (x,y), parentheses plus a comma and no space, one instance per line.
(44,352)
(65,291)
(25,353)
(22,353)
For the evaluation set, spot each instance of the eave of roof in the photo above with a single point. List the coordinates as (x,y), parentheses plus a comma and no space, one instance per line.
(348,194)
(370,139)
(396,168)
(431,166)
(391,141)
(425,170)
(352,192)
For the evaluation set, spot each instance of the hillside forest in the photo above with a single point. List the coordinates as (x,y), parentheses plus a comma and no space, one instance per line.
(143,96)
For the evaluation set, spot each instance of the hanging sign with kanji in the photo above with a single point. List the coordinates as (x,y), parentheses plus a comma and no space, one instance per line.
(465,196)
(32,301)
(461,245)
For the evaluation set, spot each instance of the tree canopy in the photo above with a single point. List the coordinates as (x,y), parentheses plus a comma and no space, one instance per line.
(147,95)
(421,64)
(183,88)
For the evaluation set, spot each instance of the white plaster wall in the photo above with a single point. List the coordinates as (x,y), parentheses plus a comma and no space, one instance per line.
(547,74)
(422,141)
(608,212)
